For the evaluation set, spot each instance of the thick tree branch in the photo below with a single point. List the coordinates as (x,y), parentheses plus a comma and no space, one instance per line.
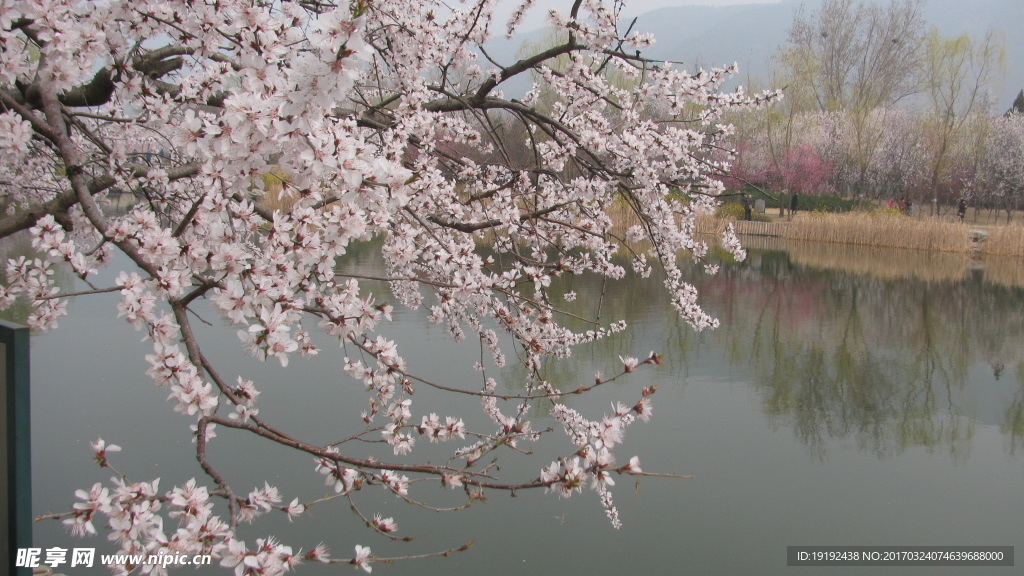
(25,219)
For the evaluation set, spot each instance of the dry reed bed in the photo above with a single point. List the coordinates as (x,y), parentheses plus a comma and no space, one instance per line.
(1004,240)
(880,229)
(274,196)
(896,231)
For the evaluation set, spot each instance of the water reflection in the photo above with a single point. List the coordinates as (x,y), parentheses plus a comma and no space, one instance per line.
(912,378)
(889,349)
(886,348)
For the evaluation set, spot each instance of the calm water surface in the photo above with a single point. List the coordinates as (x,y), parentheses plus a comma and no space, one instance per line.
(849,398)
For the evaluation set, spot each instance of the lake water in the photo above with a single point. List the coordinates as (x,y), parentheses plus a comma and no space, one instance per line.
(850,397)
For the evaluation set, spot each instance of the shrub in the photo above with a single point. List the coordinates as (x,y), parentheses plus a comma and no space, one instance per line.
(734,211)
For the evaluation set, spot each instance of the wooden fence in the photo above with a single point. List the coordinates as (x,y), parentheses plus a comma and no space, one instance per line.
(751,228)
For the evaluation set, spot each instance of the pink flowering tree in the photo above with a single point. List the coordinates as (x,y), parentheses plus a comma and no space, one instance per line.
(384,118)
(803,170)
(800,169)
(800,157)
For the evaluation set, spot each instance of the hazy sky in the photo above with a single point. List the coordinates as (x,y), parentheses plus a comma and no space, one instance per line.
(647,5)
(535,18)
(640,6)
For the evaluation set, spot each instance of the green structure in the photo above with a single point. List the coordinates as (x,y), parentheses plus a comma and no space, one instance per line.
(16,478)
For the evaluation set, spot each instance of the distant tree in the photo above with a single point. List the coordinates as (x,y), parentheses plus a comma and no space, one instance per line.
(957,74)
(1002,172)
(855,54)
(898,165)
(750,166)
(853,57)
(805,171)
(1018,104)
(796,153)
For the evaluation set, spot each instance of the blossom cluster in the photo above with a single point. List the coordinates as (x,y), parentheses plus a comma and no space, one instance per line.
(260,143)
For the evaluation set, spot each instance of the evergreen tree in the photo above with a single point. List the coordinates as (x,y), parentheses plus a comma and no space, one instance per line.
(1018,104)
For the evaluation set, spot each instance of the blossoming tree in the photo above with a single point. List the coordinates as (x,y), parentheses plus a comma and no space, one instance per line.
(383,120)
(1000,180)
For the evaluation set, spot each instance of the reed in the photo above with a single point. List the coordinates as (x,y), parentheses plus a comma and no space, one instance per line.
(708,224)
(273,195)
(881,229)
(1004,240)
(1003,270)
(623,217)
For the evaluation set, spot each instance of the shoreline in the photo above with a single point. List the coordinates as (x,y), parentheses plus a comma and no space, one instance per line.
(884,231)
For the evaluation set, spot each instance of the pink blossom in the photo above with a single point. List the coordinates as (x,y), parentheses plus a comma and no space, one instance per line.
(294,509)
(286,157)
(629,363)
(100,447)
(362,558)
(384,524)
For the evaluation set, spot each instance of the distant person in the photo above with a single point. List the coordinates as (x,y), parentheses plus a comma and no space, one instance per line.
(910,207)
(746,207)
(961,210)
(793,204)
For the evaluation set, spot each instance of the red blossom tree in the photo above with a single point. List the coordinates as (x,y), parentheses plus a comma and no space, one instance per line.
(804,171)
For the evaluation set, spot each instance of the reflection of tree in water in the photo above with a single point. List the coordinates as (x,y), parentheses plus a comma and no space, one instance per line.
(1013,425)
(878,359)
(884,362)
(597,303)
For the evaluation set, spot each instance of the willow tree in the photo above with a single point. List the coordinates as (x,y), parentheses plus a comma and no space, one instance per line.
(958,72)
